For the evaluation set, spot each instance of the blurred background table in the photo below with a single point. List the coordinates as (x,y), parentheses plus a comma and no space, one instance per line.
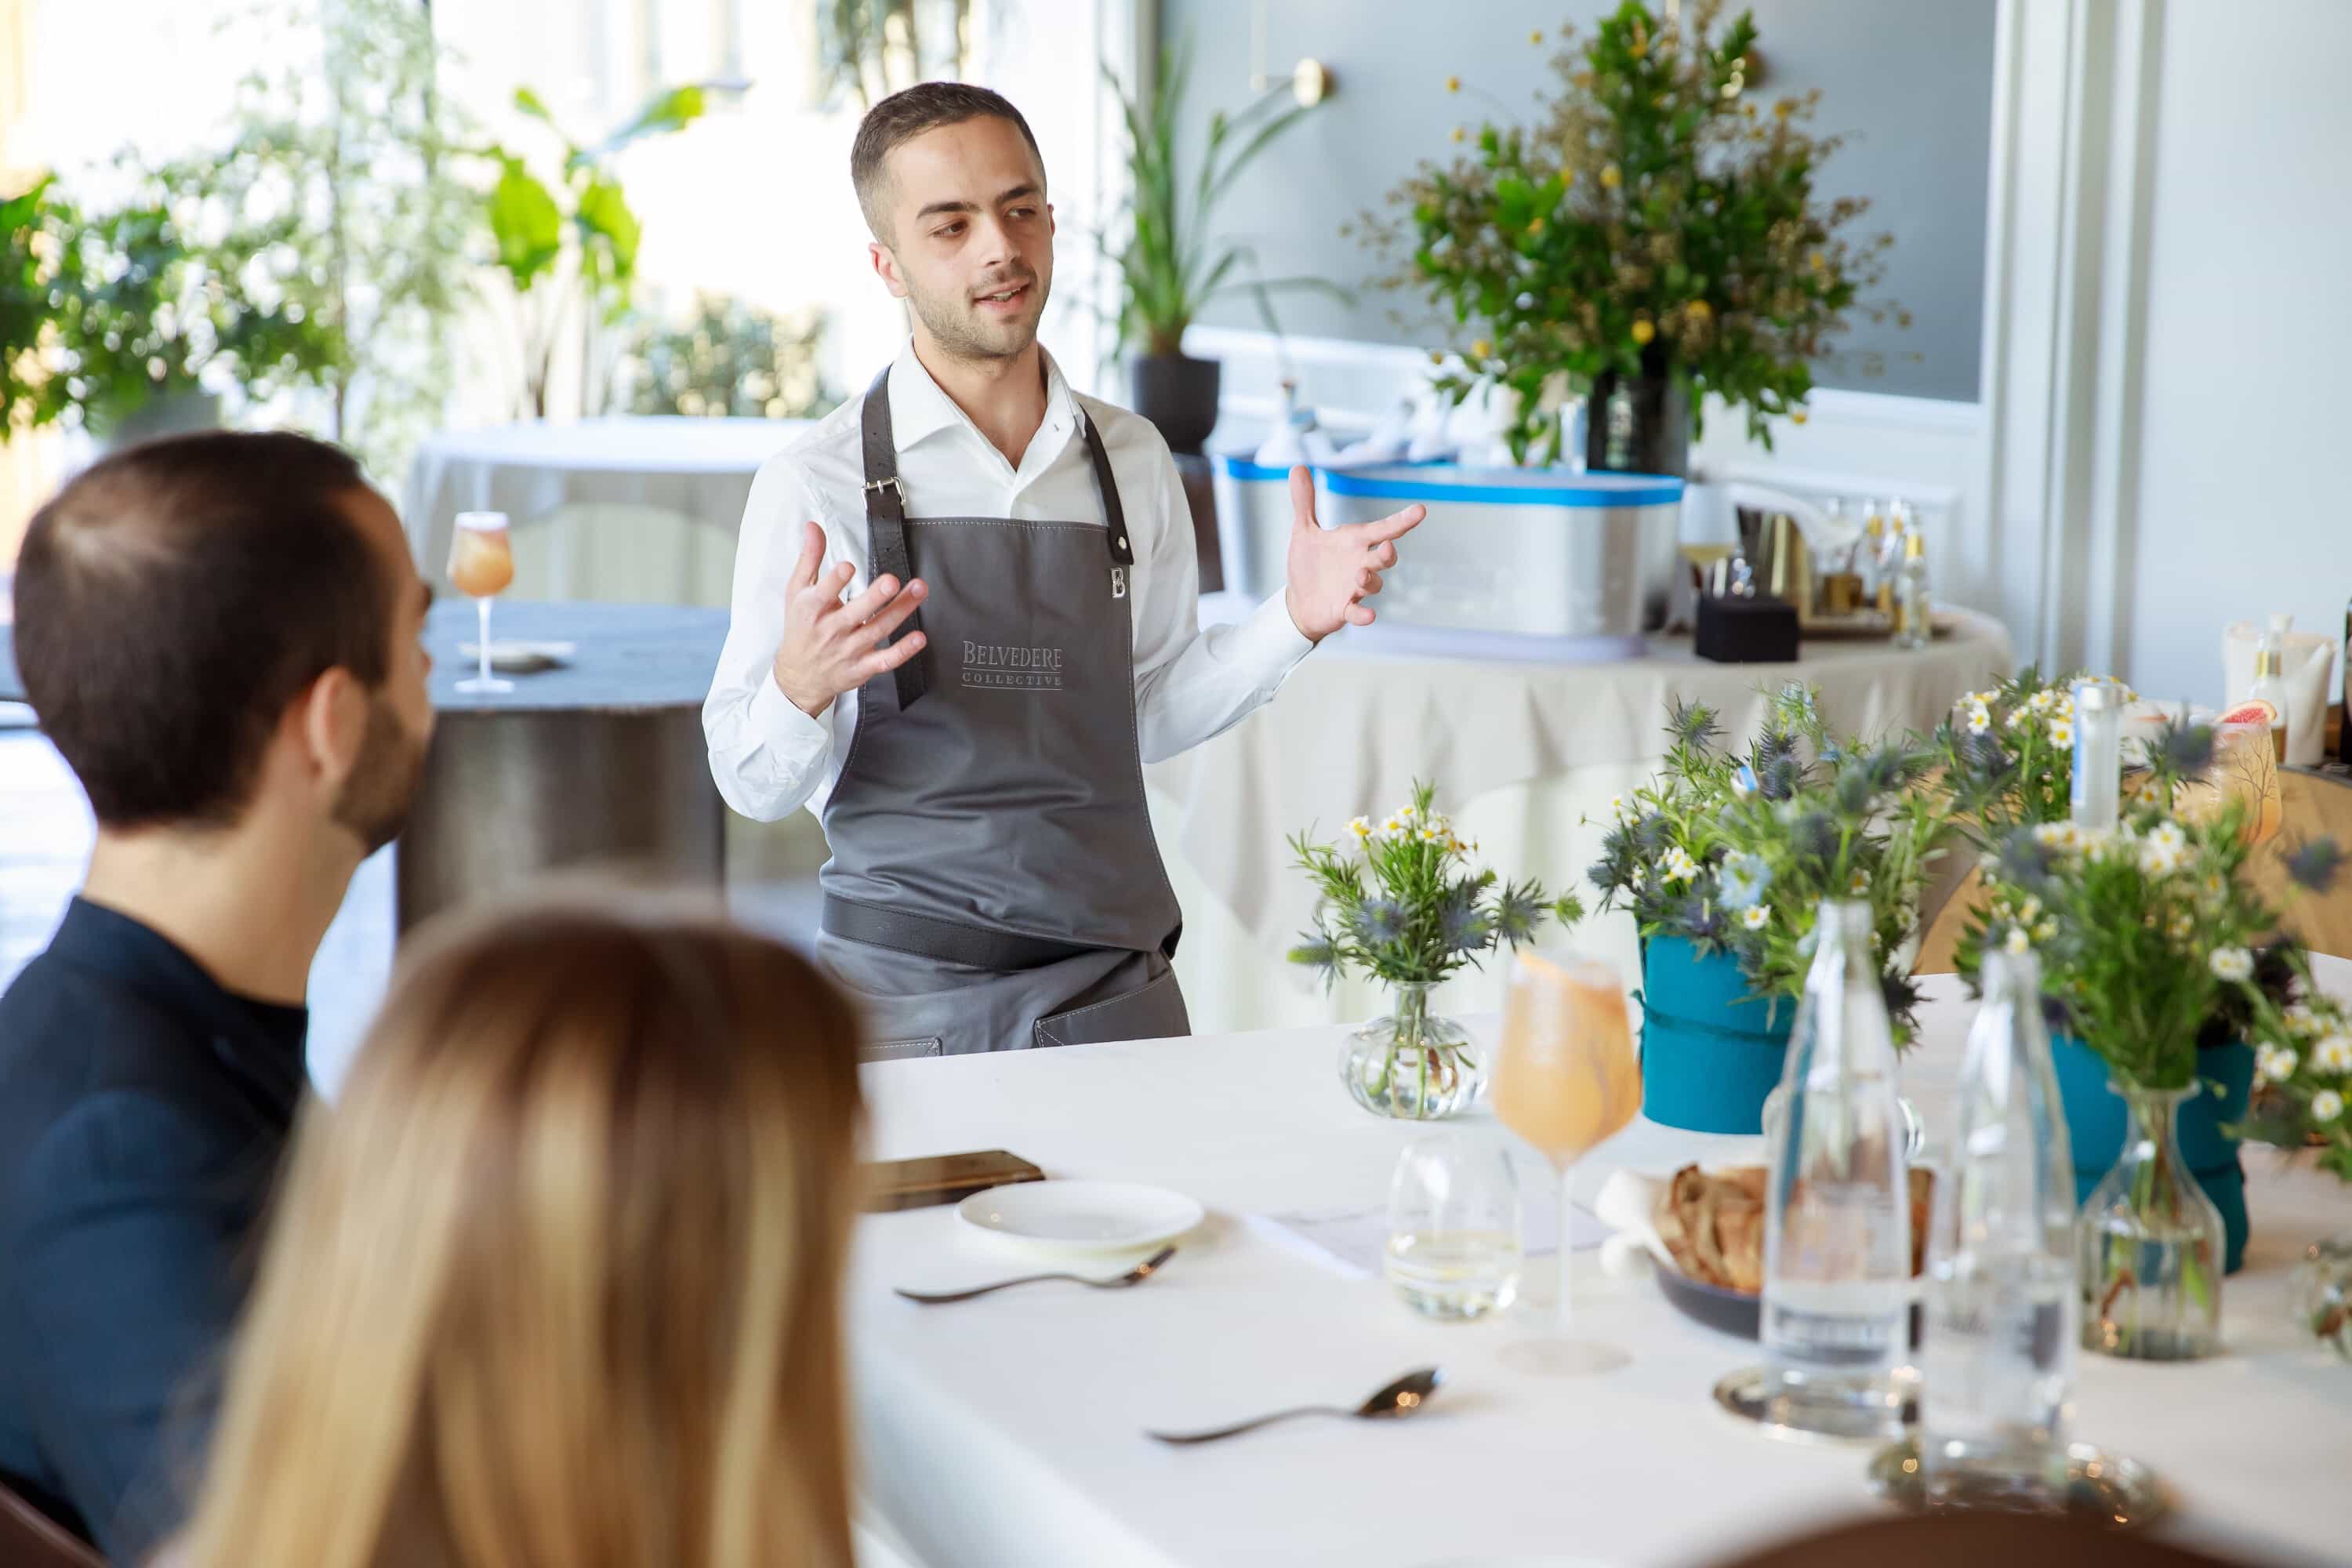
(600,761)
(1524,753)
(653,501)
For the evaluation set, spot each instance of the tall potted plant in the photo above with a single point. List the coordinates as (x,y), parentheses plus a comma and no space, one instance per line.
(570,245)
(1171,264)
(1651,237)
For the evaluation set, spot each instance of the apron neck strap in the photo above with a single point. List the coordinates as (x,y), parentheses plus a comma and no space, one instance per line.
(886,521)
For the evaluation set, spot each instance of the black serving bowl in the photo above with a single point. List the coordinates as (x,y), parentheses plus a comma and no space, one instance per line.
(1728,1311)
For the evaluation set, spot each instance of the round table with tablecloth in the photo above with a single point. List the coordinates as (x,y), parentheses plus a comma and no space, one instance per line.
(627,468)
(1524,753)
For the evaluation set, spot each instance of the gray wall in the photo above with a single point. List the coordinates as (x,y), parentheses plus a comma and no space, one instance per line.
(1911,80)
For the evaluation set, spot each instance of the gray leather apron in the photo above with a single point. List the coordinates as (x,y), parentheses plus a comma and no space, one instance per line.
(994,882)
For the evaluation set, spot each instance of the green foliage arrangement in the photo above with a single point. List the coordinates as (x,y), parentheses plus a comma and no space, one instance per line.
(1649,222)
(731,359)
(1403,900)
(1737,852)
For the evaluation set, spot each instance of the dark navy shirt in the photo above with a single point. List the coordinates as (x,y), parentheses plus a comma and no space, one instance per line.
(144,1113)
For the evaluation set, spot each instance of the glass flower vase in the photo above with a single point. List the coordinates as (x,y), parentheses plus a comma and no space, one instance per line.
(2321,1296)
(1412,1065)
(2152,1243)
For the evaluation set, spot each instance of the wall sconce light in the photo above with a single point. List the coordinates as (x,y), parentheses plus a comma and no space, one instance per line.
(1310,80)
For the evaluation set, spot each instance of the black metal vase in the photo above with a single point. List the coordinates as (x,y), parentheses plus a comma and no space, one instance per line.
(1639,423)
(1179,393)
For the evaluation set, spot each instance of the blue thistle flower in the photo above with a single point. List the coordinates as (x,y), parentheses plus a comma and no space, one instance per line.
(1318,951)
(1815,834)
(1379,921)
(1692,723)
(1856,787)
(2184,749)
(1701,920)
(1516,914)
(1745,878)
(2314,865)
(2022,860)
(1460,922)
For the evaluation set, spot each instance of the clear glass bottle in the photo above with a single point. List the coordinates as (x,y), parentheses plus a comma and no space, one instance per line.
(1914,623)
(1900,524)
(2152,1243)
(2269,680)
(1999,1347)
(2097,787)
(1837,1238)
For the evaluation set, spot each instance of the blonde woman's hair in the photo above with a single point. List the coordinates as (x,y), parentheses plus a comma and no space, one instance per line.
(555,1282)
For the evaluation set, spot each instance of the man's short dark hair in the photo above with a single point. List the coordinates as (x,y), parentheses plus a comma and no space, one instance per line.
(173,600)
(903,116)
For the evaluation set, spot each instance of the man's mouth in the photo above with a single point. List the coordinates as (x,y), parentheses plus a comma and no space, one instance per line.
(1005,302)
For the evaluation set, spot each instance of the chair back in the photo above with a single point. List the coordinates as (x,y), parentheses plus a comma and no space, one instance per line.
(31,1539)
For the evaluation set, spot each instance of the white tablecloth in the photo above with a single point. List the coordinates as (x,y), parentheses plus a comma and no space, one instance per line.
(1009,1430)
(696,469)
(1522,754)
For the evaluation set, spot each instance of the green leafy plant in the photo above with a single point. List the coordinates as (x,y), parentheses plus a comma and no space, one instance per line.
(1171,264)
(2154,939)
(1649,222)
(1403,900)
(2303,1075)
(569,245)
(732,359)
(867,49)
(1735,852)
(37,270)
(338,198)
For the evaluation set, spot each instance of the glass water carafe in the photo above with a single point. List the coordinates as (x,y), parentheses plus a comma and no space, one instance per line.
(1997,1352)
(1837,1247)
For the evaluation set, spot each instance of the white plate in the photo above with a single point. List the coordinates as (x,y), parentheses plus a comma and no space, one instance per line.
(1081,1217)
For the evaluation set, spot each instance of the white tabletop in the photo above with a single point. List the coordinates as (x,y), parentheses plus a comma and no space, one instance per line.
(1010,1429)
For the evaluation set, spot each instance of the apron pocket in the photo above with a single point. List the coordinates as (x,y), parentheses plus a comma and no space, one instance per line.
(1155,1012)
(901,1050)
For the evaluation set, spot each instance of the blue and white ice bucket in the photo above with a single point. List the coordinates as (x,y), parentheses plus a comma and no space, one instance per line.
(1535,552)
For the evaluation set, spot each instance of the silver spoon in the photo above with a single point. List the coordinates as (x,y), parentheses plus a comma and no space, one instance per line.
(1406,1396)
(1134,1276)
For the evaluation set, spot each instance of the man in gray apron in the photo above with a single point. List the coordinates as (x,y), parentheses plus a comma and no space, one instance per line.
(973,722)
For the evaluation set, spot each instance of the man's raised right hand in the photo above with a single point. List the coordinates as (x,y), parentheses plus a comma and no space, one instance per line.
(830,647)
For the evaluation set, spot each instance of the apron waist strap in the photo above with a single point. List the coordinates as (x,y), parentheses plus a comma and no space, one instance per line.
(953,941)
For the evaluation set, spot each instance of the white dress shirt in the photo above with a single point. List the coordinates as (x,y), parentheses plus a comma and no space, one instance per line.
(770,758)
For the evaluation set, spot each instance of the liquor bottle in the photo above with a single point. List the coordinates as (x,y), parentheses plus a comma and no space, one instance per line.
(2269,680)
(1913,623)
(1998,1353)
(1837,1213)
(2344,734)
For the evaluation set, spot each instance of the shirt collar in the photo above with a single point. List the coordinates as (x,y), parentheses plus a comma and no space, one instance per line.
(261,1043)
(919,409)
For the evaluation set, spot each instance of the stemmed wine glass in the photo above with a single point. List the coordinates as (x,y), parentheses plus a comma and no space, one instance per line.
(1566,1079)
(481,566)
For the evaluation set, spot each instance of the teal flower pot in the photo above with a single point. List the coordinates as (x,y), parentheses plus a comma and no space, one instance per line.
(2096,1120)
(1710,1052)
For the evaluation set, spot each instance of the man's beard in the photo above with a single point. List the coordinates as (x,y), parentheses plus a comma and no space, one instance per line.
(956,325)
(375,801)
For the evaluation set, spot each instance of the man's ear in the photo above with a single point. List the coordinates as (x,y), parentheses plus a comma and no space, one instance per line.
(886,267)
(330,719)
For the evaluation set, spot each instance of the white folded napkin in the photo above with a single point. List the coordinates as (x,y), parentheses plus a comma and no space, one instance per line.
(2310,661)
(1353,1243)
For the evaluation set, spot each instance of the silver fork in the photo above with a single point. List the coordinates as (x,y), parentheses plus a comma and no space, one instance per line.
(1134,1276)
